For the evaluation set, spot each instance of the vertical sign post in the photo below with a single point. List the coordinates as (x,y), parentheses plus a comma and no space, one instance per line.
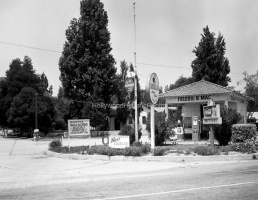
(211,116)
(152,127)
(152,90)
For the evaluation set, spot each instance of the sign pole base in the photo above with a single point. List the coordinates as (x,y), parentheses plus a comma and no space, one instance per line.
(152,128)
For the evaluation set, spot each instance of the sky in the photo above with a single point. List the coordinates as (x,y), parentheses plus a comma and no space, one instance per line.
(167,31)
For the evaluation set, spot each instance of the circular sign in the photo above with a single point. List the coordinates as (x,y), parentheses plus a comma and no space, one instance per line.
(152,88)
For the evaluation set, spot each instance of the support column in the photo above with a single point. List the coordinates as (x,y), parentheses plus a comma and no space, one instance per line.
(226,103)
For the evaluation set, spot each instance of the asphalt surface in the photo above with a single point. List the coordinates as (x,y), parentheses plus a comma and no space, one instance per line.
(26,173)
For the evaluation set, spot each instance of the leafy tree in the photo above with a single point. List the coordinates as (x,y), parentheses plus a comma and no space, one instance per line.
(210,63)
(62,107)
(18,96)
(251,90)
(122,94)
(181,81)
(86,65)
(223,132)
(22,111)
(3,104)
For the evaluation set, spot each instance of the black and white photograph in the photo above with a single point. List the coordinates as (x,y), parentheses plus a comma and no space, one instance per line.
(128,99)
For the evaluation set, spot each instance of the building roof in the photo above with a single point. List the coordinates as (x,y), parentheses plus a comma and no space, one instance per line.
(198,88)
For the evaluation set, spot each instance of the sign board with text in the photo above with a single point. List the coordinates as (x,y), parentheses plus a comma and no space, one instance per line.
(216,120)
(119,141)
(78,127)
(211,114)
(152,88)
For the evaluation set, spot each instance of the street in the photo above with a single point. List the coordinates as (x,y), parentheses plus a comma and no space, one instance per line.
(26,173)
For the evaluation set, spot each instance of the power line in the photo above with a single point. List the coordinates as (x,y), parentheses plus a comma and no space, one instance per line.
(42,49)
(30,47)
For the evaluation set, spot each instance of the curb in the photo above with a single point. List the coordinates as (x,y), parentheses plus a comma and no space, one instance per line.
(152,158)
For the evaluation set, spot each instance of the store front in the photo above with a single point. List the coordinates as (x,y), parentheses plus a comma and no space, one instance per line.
(194,96)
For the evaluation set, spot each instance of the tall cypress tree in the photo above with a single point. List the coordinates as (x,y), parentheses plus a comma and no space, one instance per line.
(210,63)
(86,65)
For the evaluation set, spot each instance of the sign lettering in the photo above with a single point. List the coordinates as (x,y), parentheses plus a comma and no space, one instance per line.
(194,98)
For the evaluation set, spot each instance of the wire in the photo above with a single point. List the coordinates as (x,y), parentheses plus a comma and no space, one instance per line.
(42,49)
(30,47)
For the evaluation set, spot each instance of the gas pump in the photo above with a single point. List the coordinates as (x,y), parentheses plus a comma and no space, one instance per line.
(195,128)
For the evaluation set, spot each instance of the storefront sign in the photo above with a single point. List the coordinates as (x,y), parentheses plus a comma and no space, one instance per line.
(217,120)
(79,127)
(193,98)
(152,88)
(119,141)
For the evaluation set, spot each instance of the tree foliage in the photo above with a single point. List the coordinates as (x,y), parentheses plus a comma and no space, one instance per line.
(223,132)
(210,63)
(86,65)
(17,91)
(181,81)
(251,90)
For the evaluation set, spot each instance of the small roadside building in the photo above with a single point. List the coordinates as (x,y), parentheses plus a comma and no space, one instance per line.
(194,96)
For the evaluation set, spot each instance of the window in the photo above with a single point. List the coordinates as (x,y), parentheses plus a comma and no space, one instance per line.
(143,119)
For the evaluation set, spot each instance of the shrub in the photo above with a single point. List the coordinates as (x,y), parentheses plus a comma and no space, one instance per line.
(132,151)
(243,132)
(244,138)
(145,148)
(161,127)
(245,147)
(55,144)
(159,151)
(225,149)
(129,130)
(104,150)
(206,150)
(223,132)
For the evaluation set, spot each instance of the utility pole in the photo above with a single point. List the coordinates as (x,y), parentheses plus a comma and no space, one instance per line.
(135,81)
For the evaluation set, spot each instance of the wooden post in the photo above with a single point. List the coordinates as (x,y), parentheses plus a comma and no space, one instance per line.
(212,137)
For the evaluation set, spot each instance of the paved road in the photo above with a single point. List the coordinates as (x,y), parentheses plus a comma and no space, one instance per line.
(25,173)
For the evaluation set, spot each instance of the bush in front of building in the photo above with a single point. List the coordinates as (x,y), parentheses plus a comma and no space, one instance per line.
(244,138)
(206,151)
(129,130)
(223,132)
(158,151)
(243,132)
(161,127)
(132,151)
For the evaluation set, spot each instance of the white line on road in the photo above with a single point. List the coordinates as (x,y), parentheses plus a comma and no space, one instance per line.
(177,191)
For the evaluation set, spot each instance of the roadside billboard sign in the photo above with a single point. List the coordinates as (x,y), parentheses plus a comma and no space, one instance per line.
(78,127)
